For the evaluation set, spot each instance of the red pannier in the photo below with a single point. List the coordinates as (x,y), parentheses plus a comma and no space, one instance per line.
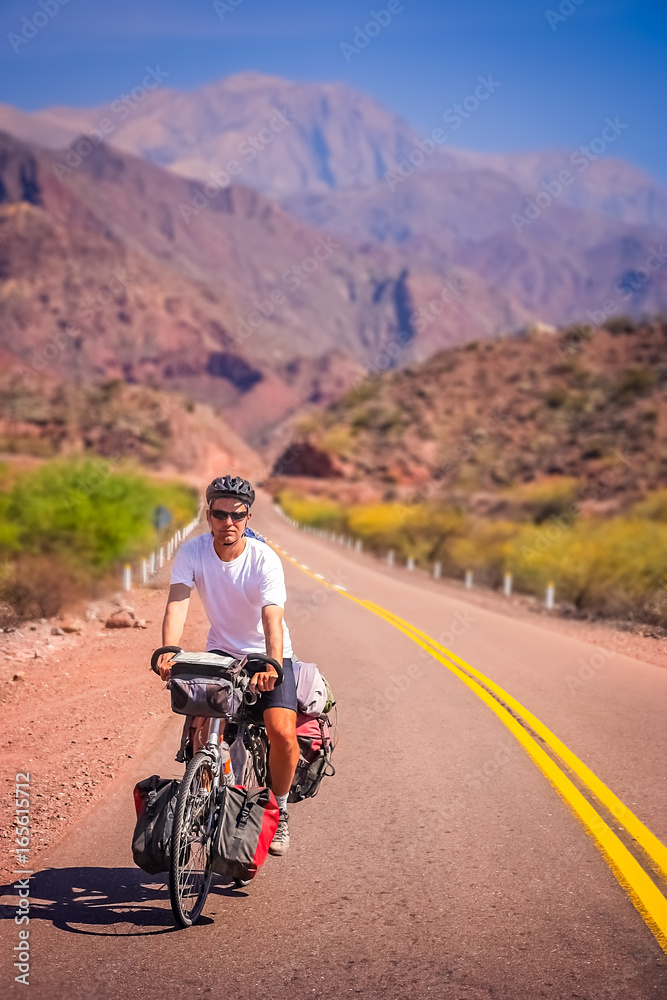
(247,822)
(155,803)
(315,749)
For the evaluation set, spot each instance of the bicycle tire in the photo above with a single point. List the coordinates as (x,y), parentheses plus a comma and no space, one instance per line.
(256,771)
(190,867)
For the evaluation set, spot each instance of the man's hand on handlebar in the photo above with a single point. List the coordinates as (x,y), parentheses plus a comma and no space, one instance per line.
(264,680)
(164,666)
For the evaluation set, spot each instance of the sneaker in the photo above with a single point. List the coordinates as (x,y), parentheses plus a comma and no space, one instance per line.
(280,842)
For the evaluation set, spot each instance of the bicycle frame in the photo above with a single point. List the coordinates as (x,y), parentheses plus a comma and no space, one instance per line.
(213,739)
(245,740)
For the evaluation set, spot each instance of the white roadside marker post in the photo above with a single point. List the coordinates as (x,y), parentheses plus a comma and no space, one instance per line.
(507,585)
(437,571)
(468,579)
(550,596)
(127,577)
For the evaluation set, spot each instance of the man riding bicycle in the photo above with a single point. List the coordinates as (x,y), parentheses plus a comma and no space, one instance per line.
(241,583)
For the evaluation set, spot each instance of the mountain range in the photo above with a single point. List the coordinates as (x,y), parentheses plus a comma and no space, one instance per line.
(264,241)
(118,268)
(101,276)
(331,138)
(534,247)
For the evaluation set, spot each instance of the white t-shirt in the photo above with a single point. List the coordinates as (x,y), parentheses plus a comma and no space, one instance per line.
(234,593)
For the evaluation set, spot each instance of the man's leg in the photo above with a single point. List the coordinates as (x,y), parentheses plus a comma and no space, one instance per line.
(283,757)
(279,708)
(284,750)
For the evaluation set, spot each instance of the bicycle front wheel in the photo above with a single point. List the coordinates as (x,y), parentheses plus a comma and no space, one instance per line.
(256,772)
(190,873)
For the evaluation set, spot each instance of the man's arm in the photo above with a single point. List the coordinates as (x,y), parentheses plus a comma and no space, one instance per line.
(272,623)
(173,622)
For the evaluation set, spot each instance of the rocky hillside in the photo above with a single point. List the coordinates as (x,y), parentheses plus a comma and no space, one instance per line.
(116,268)
(585,406)
(44,418)
(103,273)
(558,263)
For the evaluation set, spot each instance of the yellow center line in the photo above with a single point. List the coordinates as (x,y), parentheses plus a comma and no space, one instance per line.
(643,892)
(647,840)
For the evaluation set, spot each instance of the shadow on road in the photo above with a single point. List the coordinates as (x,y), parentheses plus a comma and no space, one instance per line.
(102,901)
(108,902)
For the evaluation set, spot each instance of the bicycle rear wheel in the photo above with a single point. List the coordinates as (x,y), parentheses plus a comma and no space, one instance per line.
(190,873)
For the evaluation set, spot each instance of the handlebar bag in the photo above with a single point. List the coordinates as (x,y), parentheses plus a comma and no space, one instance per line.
(155,803)
(204,684)
(246,824)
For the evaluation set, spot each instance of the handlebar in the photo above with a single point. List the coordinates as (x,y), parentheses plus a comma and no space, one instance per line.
(251,657)
(158,653)
(261,658)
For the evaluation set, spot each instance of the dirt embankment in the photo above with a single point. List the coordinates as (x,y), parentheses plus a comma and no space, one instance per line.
(76,709)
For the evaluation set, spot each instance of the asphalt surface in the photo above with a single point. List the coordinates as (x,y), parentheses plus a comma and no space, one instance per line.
(439,861)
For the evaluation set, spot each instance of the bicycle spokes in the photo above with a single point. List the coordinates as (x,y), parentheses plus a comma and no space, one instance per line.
(190,871)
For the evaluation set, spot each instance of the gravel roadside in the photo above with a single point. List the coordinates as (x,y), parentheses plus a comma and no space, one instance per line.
(76,709)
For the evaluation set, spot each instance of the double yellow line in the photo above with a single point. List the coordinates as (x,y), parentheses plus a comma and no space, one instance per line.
(647,898)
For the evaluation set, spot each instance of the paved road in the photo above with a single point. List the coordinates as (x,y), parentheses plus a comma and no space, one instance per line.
(439,862)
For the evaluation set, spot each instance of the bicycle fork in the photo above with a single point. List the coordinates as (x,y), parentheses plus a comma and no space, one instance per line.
(219,750)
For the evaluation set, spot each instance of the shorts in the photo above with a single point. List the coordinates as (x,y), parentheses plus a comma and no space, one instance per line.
(283,696)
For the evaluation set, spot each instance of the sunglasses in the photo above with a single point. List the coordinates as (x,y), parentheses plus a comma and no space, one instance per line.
(233,515)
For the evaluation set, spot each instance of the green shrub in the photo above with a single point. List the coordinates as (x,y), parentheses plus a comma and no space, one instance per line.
(361,393)
(545,497)
(556,397)
(85,515)
(613,566)
(485,548)
(314,513)
(633,383)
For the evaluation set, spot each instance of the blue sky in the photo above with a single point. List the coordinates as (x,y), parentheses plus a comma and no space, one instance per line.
(559,81)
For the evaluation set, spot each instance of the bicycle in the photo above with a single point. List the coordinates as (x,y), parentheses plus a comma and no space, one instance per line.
(195,813)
